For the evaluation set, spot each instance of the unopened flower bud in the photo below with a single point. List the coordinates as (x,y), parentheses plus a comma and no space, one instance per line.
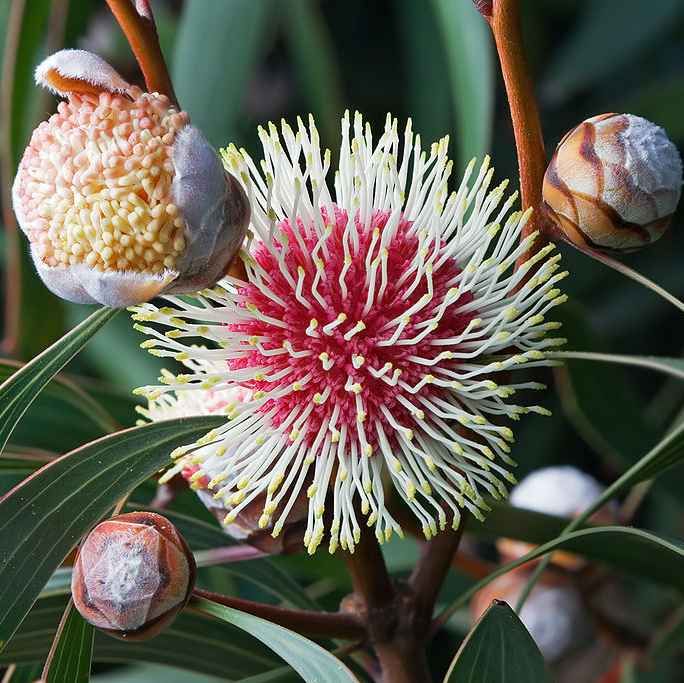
(120,197)
(133,574)
(563,491)
(553,614)
(613,183)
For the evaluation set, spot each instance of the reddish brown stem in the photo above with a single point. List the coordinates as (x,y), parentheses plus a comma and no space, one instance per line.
(369,575)
(529,141)
(306,622)
(137,22)
(390,613)
(12,244)
(431,570)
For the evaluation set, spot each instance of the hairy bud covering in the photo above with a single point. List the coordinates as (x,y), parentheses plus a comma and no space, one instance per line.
(133,574)
(613,183)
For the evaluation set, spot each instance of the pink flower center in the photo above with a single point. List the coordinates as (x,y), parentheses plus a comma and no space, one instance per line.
(344,355)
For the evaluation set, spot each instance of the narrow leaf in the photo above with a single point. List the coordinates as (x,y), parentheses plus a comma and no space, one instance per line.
(668,366)
(193,642)
(45,516)
(498,648)
(72,650)
(468,46)
(645,553)
(309,660)
(18,392)
(587,57)
(223,40)
(66,391)
(311,48)
(430,107)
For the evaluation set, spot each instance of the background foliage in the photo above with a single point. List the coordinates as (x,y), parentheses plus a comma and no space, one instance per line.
(238,63)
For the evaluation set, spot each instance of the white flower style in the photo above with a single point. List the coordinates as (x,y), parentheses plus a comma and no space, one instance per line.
(377,314)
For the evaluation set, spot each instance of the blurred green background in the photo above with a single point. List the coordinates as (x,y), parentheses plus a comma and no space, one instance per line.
(239,63)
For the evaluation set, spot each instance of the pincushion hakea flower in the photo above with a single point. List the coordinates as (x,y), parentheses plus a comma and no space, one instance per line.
(375,319)
(120,197)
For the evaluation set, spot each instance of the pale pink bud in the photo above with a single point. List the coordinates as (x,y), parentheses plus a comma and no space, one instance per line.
(120,197)
(133,574)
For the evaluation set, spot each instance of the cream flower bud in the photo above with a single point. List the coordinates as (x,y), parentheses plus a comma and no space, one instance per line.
(613,183)
(563,491)
(120,197)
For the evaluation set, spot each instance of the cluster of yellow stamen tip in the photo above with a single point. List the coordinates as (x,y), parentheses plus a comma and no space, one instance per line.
(95,184)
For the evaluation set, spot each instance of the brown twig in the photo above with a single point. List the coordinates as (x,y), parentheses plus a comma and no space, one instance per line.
(137,22)
(369,575)
(503,17)
(12,243)
(305,622)
(391,614)
(431,569)
(227,555)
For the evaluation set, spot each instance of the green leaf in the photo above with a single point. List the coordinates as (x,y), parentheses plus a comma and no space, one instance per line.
(468,46)
(593,395)
(23,673)
(668,366)
(430,107)
(282,675)
(587,56)
(222,41)
(644,553)
(192,642)
(127,368)
(309,660)
(313,54)
(537,528)
(45,516)
(144,673)
(660,458)
(18,392)
(72,650)
(16,464)
(63,392)
(497,649)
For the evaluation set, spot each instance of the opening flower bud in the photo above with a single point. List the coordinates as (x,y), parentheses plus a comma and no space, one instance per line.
(120,197)
(133,574)
(613,183)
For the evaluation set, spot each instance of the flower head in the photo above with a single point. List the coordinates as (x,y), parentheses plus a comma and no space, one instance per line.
(119,195)
(376,316)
